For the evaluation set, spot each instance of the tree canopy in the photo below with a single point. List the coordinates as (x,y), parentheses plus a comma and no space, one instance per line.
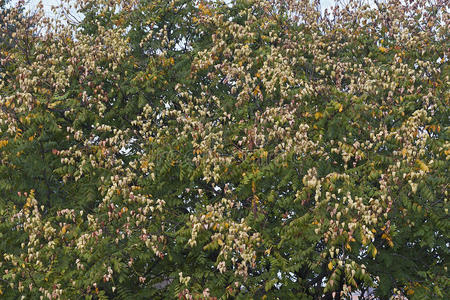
(208,149)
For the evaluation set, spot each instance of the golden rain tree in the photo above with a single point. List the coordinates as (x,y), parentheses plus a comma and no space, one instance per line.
(246,149)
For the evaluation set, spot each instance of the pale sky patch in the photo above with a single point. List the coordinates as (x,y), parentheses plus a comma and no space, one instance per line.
(48,4)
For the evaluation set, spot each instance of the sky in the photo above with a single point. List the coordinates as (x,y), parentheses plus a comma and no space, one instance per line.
(48,4)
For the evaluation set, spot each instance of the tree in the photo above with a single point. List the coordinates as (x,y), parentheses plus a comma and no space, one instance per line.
(7,30)
(206,149)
